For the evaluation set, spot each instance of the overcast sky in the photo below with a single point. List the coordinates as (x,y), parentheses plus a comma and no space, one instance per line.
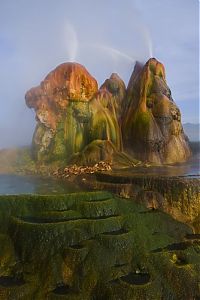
(104,35)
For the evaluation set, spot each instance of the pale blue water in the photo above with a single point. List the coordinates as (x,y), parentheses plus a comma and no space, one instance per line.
(15,184)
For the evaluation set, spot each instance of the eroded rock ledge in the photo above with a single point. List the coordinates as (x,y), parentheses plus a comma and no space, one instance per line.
(177,196)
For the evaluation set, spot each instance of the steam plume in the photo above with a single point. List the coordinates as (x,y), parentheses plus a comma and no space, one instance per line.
(72,42)
(115,53)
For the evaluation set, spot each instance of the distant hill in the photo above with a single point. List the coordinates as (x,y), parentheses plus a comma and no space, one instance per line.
(192,131)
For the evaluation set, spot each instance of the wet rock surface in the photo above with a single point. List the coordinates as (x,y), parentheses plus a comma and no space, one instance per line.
(151,121)
(72,114)
(104,247)
(177,196)
(79,123)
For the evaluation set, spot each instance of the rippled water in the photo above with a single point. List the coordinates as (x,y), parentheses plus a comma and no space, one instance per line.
(14,184)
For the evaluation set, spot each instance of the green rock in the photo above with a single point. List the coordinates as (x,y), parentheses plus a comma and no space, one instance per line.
(94,245)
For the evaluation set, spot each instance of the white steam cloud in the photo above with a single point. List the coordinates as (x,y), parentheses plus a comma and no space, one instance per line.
(147,39)
(71,42)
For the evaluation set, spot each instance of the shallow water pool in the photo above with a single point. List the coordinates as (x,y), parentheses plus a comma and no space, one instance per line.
(15,184)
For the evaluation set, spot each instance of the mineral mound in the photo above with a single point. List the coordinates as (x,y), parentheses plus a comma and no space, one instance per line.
(151,125)
(79,123)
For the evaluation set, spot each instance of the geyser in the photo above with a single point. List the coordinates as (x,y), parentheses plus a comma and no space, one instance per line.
(77,122)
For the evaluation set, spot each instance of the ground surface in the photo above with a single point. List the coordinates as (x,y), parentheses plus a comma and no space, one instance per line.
(94,246)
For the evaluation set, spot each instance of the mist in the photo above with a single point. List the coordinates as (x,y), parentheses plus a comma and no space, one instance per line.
(36,36)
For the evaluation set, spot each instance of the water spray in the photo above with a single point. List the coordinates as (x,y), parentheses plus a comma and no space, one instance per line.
(72,42)
(147,39)
(113,52)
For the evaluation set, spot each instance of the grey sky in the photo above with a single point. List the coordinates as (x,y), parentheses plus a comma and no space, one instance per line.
(106,36)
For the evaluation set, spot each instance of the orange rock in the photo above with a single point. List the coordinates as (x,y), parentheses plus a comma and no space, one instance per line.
(68,82)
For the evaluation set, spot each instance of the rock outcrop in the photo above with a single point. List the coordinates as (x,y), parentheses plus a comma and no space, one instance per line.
(76,121)
(151,125)
(72,113)
(61,106)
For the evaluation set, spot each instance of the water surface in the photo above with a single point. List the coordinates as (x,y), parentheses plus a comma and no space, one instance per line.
(190,169)
(15,184)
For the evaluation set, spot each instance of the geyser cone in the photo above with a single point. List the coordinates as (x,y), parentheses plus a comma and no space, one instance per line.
(151,125)
(79,123)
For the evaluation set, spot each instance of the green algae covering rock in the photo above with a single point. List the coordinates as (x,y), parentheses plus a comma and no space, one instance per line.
(73,115)
(151,121)
(177,196)
(94,246)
